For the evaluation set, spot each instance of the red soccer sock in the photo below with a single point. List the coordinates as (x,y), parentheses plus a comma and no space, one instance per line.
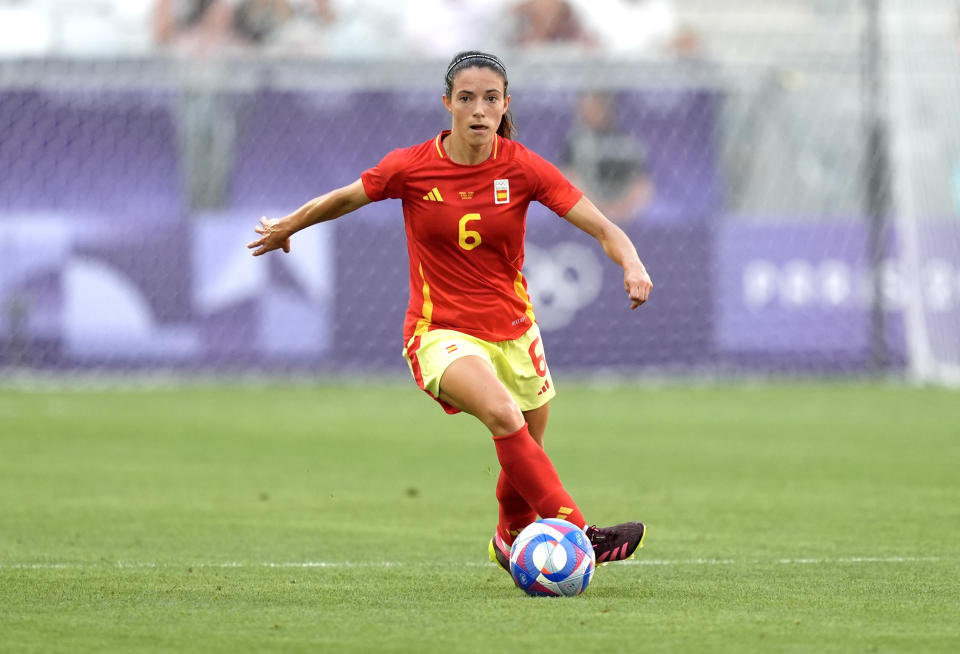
(530,471)
(515,513)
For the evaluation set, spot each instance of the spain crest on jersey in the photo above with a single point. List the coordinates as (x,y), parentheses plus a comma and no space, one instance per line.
(501,191)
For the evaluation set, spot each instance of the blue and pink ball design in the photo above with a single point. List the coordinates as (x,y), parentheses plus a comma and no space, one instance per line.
(552,558)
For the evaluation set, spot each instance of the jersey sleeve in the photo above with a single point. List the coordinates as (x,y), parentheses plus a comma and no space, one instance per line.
(550,187)
(385,180)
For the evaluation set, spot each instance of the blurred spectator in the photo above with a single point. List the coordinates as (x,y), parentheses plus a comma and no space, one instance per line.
(257,20)
(625,28)
(439,29)
(365,29)
(605,161)
(74,28)
(305,30)
(205,119)
(195,25)
(25,31)
(538,23)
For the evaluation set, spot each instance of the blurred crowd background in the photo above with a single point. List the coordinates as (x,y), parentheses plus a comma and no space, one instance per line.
(341,28)
(790,171)
(387,29)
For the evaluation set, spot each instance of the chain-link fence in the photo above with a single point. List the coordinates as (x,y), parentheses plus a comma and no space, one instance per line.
(792,186)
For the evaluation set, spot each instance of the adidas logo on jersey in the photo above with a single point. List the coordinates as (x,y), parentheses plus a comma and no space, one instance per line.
(434,195)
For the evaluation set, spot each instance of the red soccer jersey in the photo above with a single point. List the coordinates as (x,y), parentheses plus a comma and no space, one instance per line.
(465,229)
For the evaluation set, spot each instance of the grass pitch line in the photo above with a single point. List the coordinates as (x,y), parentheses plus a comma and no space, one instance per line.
(799,561)
(135,565)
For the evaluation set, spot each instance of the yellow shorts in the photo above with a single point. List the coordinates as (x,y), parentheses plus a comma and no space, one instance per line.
(520,364)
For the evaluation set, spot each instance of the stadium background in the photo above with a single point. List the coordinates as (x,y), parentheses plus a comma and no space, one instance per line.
(203,451)
(804,156)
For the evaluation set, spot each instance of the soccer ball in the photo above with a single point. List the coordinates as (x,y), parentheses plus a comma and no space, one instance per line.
(552,558)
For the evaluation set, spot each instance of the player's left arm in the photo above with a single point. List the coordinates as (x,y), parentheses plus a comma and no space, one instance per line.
(618,247)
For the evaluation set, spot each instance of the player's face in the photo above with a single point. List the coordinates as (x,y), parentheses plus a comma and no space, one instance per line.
(477,104)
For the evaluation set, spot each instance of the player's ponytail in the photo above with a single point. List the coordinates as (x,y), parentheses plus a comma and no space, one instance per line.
(477,59)
(506,129)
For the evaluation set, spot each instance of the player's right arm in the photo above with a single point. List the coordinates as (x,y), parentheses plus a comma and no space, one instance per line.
(275,233)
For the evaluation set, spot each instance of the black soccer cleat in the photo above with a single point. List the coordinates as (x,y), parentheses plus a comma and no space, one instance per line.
(500,552)
(616,543)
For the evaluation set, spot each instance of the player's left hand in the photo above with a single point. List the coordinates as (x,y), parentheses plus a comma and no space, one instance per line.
(273,237)
(637,283)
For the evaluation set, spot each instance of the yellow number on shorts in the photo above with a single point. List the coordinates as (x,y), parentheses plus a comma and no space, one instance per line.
(469,238)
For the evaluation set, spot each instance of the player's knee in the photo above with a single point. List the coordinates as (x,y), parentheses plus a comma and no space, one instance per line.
(503,417)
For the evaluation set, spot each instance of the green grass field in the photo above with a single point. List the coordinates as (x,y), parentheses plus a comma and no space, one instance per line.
(782,518)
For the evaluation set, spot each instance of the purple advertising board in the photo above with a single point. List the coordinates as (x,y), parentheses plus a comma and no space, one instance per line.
(576,290)
(795,291)
(110,269)
(801,294)
(119,274)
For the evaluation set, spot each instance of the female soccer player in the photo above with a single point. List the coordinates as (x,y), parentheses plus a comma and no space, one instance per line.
(472,342)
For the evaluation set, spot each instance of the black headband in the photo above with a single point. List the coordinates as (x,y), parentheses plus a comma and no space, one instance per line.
(492,60)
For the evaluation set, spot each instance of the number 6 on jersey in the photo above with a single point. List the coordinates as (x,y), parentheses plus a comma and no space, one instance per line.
(469,238)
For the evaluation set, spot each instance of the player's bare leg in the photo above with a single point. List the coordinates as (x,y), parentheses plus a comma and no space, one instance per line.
(471,385)
(537,422)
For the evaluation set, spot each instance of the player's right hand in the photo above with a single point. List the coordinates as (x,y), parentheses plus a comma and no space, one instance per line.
(272,237)
(637,283)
